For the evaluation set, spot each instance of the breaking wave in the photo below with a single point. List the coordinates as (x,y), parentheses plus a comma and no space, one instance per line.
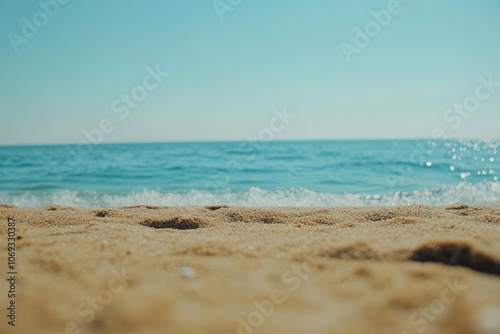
(480,193)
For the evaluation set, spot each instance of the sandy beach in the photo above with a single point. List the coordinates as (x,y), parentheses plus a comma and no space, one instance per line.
(250,167)
(219,269)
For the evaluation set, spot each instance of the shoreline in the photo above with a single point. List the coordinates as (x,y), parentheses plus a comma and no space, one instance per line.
(219,269)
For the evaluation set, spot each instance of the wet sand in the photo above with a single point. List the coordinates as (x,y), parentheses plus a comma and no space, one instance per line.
(223,270)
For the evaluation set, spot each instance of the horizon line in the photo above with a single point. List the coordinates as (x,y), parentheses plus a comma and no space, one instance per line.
(240,141)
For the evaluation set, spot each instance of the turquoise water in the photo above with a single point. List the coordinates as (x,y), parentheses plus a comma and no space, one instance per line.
(307,173)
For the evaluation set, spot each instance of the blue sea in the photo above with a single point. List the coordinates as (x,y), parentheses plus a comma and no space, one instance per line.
(253,173)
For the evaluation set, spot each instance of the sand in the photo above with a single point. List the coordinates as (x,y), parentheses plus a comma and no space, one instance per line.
(223,270)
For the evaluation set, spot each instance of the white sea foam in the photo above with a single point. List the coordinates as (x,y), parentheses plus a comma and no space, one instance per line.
(482,193)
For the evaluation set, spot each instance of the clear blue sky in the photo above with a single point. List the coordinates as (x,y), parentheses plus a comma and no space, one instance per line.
(226,77)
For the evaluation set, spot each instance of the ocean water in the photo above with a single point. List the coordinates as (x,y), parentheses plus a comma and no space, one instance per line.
(304,173)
